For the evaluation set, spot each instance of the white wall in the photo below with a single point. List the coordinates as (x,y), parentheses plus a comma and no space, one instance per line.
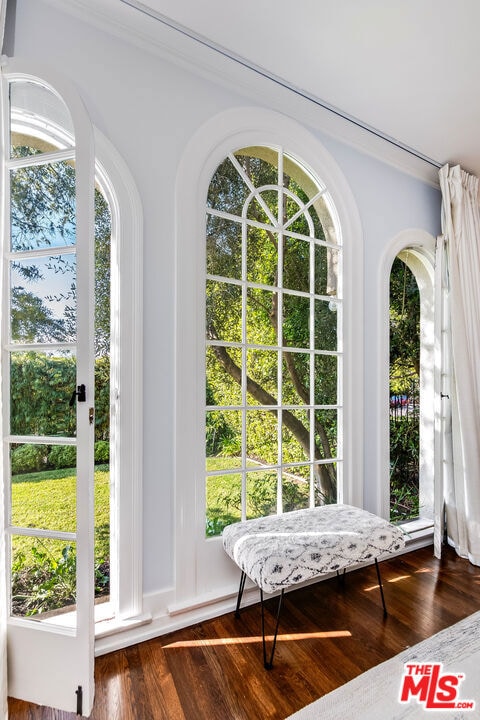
(149,108)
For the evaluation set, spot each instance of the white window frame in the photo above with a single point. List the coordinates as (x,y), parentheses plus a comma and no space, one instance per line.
(417,249)
(232,129)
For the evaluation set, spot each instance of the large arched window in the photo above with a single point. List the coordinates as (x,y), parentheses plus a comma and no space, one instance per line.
(269,351)
(273,339)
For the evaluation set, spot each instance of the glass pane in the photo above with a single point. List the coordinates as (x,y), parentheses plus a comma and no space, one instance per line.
(296,321)
(326,318)
(295,436)
(296,264)
(44,486)
(227,191)
(223,365)
(326,379)
(262,317)
(319,208)
(262,256)
(326,271)
(325,434)
(296,378)
(224,502)
(262,369)
(224,439)
(260,164)
(52,126)
(103,231)
(224,247)
(296,488)
(223,311)
(102,526)
(43,578)
(269,199)
(43,205)
(261,493)
(259,212)
(43,299)
(41,385)
(302,225)
(325,484)
(262,441)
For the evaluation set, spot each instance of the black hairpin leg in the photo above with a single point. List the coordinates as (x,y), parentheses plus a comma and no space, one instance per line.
(269,664)
(381,587)
(341,578)
(243,577)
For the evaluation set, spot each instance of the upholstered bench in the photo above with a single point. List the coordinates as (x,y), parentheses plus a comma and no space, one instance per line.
(279,551)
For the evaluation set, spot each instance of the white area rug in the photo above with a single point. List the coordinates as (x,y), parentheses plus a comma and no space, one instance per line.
(375,695)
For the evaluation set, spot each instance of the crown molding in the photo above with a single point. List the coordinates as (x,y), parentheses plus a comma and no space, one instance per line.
(174,45)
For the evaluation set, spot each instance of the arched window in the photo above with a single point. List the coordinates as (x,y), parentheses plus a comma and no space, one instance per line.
(414,250)
(268,337)
(273,339)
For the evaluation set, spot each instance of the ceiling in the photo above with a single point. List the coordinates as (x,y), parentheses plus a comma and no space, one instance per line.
(408,68)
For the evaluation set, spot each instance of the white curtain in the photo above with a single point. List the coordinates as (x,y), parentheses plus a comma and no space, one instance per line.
(461,486)
(3,589)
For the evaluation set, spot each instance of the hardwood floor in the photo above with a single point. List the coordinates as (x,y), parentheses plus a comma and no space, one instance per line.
(328,635)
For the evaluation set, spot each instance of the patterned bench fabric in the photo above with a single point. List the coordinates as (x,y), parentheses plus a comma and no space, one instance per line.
(281,550)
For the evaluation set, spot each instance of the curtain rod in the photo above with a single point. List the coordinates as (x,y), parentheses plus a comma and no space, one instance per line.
(141,7)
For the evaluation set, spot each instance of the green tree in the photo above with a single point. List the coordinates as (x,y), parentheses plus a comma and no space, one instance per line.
(31,320)
(404,322)
(265,319)
(43,214)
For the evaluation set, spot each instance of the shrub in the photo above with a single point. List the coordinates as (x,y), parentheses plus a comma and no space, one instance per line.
(102,451)
(28,458)
(62,456)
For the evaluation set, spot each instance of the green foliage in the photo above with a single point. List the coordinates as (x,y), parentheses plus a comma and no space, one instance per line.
(40,391)
(404,323)
(404,463)
(269,323)
(28,458)
(43,214)
(102,451)
(62,456)
(48,584)
(404,380)
(43,570)
(224,495)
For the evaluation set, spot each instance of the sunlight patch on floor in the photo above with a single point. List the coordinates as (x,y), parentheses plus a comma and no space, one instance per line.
(286,637)
(392,580)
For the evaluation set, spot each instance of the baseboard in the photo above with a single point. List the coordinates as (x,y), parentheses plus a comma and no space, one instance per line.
(168,615)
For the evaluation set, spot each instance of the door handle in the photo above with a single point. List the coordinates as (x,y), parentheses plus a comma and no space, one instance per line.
(79,393)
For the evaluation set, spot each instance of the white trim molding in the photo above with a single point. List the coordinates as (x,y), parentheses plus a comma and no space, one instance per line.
(151,32)
(230,130)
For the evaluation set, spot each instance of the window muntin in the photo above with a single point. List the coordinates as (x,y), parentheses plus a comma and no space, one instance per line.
(273,339)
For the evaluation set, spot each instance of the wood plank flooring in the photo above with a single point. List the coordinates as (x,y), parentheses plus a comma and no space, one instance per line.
(328,635)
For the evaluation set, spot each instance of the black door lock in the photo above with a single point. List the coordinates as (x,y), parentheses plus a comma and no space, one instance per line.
(79,393)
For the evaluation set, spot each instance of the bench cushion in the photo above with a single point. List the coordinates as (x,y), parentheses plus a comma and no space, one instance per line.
(281,550)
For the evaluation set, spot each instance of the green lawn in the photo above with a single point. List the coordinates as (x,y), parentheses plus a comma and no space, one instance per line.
(47,500)
(44,569)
